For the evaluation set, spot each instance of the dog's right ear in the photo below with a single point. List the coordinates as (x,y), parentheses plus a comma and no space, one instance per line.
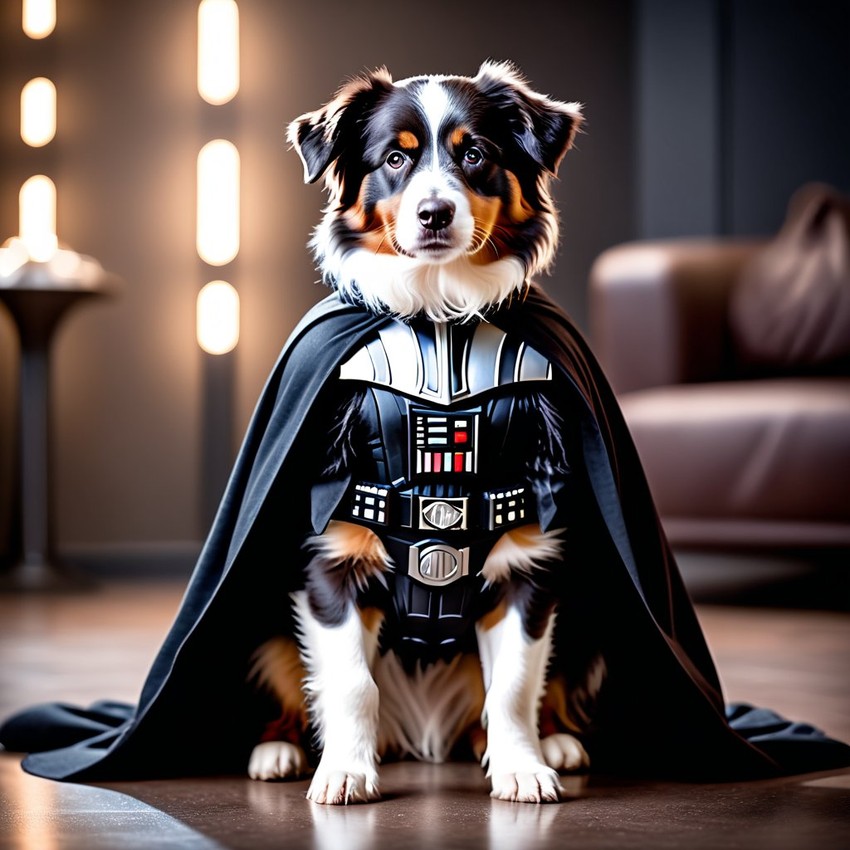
(319,137)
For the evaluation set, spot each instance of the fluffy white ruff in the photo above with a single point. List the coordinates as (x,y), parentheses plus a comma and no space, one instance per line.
(514,668)
(521,549)
(342,698)
(407,286)
(425,713)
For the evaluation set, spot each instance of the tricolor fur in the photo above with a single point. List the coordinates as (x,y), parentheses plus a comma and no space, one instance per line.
(439,204)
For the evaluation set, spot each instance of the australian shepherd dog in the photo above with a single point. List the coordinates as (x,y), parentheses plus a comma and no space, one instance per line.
(439,209)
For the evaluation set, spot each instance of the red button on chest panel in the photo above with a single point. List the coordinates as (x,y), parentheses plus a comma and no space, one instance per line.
(443,442)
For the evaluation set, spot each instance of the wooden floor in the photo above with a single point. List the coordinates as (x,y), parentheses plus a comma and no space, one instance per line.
(82,647)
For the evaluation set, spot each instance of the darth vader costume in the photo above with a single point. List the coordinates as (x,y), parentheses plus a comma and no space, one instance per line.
(661,711)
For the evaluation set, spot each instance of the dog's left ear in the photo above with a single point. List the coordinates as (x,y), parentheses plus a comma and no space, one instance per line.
(544,128)
(320,137)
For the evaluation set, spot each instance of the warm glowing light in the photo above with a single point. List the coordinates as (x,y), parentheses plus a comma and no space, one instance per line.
(218,50)
(13,255)
(218,317)
(39,17)
(218,202)
(37,210)
(38,112)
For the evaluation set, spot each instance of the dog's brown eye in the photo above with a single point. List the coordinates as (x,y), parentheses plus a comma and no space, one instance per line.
(395,159)
(473,156)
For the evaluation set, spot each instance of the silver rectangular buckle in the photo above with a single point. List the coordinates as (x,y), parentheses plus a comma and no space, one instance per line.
(437,564)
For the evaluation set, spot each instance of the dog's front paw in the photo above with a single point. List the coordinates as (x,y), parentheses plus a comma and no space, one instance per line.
(276,760)
(341,787)
(539,785)
(564,752)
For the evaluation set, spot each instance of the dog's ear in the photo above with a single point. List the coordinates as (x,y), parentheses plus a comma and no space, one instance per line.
(544,128)
(320,137)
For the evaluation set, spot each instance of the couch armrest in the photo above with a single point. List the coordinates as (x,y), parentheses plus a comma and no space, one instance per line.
(658,309)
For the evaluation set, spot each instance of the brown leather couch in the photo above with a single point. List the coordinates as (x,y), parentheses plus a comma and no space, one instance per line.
(734,459)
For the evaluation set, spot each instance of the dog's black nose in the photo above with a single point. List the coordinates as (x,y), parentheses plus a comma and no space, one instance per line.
(435,213)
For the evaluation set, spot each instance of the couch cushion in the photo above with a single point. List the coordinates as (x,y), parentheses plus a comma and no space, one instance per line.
(749,450)
(790,310)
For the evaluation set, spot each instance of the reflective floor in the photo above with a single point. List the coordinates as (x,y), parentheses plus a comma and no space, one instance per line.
(82,647)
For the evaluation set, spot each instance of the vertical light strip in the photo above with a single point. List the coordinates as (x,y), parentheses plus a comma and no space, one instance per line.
(38,112)
(218,51)
(37,198)
(218,202)
(37,222)
(38,17)
(218,317)
(217,234)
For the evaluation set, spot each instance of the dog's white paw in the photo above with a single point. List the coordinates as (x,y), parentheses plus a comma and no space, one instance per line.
(564,752)
(341,787)
(276,760)
(538,786)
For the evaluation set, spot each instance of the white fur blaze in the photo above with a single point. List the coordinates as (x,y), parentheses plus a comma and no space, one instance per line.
(514,668)
(342,698)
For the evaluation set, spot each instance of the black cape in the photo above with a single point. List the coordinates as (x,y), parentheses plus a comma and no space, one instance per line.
(661,712)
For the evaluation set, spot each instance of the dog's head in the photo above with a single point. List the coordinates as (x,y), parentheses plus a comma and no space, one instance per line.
(438,188)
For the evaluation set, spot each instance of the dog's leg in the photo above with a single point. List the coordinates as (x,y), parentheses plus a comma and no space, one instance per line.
(339,644)
(277,668)
(514,642)
(561,711)
(343,700)
(514,667)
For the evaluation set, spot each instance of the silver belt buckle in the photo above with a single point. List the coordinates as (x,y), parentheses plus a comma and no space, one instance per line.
(443,513)
(437,564)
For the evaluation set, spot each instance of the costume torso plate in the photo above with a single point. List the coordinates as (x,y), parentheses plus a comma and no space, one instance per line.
(444,470)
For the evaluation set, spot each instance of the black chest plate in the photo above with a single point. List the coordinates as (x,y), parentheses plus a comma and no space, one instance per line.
(443,473)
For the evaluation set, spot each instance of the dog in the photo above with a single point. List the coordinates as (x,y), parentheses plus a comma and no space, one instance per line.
(439,210)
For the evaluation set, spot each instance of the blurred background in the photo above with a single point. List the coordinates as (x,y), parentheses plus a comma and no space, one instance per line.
(703,118)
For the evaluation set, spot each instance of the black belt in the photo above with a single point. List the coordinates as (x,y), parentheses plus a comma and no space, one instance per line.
(490,510)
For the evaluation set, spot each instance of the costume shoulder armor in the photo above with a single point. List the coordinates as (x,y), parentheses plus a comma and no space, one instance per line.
(444,363)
